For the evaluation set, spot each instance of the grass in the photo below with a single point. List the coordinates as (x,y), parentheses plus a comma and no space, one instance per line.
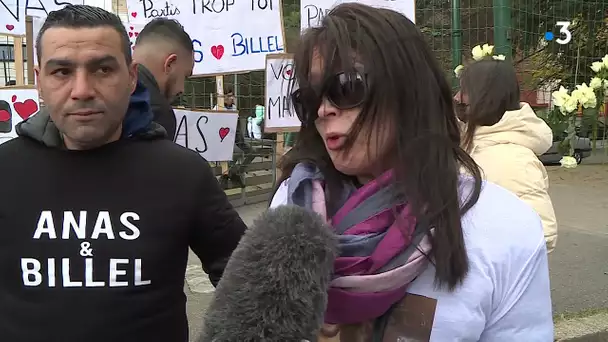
(564,316)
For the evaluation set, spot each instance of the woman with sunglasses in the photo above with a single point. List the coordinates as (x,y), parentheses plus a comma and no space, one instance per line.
(504,136)
(426,254)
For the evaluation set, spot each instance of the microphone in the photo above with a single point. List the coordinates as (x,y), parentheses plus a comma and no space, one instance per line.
(274,287)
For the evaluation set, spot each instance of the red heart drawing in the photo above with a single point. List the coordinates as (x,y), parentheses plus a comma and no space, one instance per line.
(217,51)
(134,14)
(10,27)
(136,34)
(130,34)
(13,98)
(288,72)
(131,27)
(4,115)
(26,108)
(224,132)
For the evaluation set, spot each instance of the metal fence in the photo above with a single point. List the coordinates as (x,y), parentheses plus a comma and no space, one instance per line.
(517,28)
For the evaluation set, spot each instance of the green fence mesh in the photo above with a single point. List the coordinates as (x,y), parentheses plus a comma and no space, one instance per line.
(516,27)
(545,62)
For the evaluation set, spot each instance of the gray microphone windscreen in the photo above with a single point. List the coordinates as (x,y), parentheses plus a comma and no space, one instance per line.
(274,287)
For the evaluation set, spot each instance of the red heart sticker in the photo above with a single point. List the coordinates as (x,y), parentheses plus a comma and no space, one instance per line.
(132,28)
(224,132)
(10,27)
(136,34)
(130,34)
(134,14)
(4,115)
(217,51)
(26,108)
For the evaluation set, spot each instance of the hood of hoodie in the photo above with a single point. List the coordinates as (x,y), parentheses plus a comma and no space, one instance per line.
(137,123)
(521,127)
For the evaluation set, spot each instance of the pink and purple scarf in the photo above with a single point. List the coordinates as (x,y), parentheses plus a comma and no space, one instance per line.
(383,247)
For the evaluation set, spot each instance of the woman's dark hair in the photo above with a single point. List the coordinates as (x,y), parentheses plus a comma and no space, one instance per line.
(408,94)
(492,88)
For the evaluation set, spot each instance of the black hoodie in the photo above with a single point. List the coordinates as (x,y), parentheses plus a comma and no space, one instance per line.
(161,108)
(95,243)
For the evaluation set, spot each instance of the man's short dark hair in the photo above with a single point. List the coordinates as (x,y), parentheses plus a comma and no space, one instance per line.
(84,16)
(228,91)
(167,29)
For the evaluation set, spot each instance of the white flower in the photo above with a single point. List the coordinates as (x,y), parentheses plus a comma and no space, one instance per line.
(568,162)
(596,83)
(477,53)
(605,61)
(488,49)
(585,96)
(499,58)
(597,66)
(560,96)
(570,105)
(458,70)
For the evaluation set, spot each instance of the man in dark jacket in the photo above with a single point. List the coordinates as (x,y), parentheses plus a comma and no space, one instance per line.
(99,210)
(165,56)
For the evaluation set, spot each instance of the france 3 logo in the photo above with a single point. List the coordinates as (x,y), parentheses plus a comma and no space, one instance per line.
(564,33)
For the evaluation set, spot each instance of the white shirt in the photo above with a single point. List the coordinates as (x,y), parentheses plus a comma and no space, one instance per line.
(506,295)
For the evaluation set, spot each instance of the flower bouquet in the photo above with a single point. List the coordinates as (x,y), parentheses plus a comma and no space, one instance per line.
(599,84)
(563,118)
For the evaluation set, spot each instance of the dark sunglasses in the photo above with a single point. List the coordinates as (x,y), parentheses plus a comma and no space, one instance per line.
(344,90)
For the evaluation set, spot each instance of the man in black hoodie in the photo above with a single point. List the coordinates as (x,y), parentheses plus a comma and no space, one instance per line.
(165,56)
(98,210)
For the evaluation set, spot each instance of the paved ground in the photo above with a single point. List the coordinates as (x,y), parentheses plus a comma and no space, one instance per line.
(198,288)
(579,267)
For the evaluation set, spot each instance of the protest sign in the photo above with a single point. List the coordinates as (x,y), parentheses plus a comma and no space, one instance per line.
(209,133)
(228,36)
(280,115)
(312,12)
(16,105)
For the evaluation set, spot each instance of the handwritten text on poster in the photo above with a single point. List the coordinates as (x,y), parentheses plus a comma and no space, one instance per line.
(13,12)
(228,35)
(312,12)
(279,109)
(12,16)
(211,134)
(16,105)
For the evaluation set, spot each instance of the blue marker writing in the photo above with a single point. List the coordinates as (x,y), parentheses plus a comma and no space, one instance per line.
(250,45)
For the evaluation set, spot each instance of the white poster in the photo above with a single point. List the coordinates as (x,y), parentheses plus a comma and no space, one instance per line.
(13,12)
(312,12)
(12,17)
(133,32)
(210,133)
(279,115)
(229,36)
(41,8)
(16,105)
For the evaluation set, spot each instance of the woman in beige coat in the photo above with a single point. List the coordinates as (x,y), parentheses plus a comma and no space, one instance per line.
(505,136)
